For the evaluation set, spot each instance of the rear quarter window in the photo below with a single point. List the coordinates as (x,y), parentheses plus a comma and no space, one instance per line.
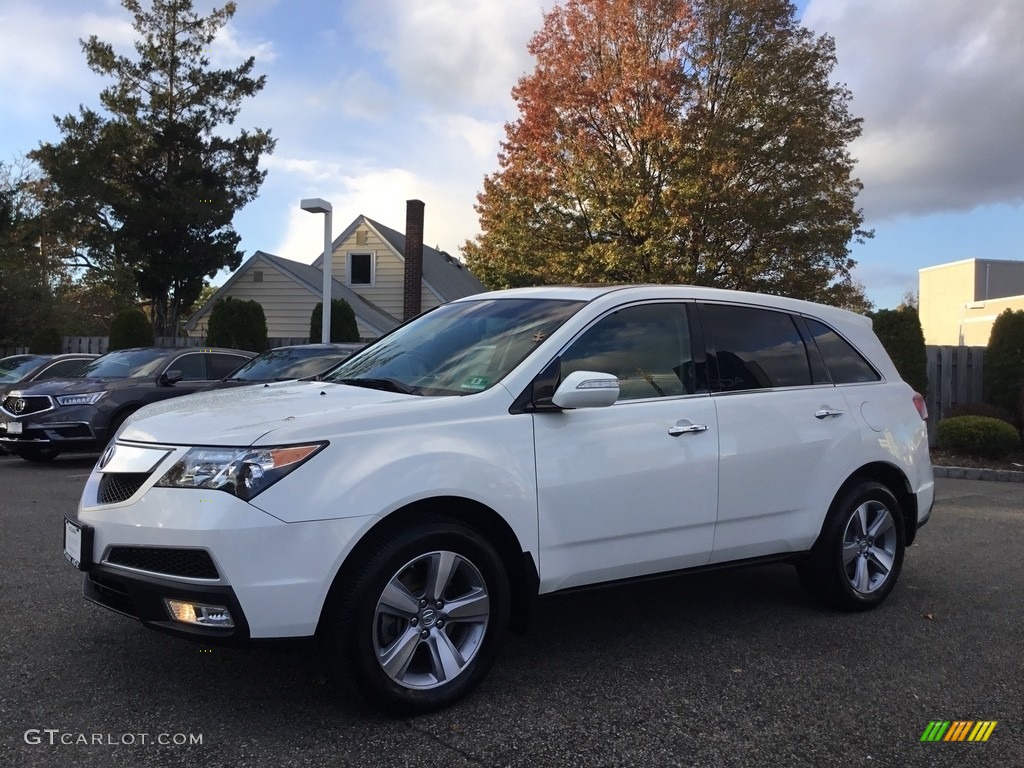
(845,364)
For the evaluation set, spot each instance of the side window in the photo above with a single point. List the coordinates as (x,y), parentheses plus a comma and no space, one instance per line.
(647,347)
(62,369)
(220,364)
(192,367)
(752,348)
(844,363)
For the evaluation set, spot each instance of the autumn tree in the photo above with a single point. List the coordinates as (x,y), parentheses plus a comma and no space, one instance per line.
(672,142)
(151,184)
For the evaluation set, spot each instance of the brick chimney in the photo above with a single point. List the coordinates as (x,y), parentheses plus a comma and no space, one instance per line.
(413,258)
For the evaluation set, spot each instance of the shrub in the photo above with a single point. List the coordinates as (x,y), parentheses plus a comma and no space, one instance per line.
(343,322)
(238,324)
(900,332)
(130,328)
(1004,364)
(977,436)
(978,409)
(46,341)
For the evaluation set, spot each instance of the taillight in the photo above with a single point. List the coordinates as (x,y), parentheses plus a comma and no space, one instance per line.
(922,409)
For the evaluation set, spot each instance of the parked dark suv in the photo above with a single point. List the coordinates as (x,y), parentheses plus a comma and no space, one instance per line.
(81,413)
(17,371)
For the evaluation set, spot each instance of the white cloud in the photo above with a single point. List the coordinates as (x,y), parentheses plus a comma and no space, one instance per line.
(941,89)
(380,194)
(230,48)
(40,53)
(452,52)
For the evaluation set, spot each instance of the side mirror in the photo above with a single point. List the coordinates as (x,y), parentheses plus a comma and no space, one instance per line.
(169,378)
(586,389)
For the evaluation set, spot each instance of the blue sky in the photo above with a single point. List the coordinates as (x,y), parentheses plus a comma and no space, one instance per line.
(374,102)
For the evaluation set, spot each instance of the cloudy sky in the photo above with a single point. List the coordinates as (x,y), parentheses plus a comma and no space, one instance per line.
(374,102)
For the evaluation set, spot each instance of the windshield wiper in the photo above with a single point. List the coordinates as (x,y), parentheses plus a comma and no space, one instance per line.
(388,385)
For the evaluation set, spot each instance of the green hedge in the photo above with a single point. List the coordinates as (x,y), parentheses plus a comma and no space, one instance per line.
(976,436)
(46,341)
(900,332)
(343,322)
(130,328)
(237,324)
(1004,364)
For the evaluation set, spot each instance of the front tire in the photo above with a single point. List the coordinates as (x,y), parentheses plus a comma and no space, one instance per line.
(37,455)
(419,620)
(857,559)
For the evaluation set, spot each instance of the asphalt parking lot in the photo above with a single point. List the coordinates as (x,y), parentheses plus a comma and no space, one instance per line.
(728,669)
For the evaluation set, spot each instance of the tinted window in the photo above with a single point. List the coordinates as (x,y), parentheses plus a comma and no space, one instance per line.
(752,348)
(192,366)
(62,368)
(844,363)
(646,347)
(17,367)
(361,265)
(127,364)
(220,365)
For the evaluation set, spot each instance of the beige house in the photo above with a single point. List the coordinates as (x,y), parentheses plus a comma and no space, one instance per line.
(958,302)
(372,264)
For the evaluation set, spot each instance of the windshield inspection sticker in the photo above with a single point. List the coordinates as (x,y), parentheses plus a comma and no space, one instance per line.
(475,383)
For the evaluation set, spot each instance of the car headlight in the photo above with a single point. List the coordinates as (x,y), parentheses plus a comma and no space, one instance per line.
(89,399)
(243,472)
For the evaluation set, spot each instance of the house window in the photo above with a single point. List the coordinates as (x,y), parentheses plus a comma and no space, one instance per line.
(360,269)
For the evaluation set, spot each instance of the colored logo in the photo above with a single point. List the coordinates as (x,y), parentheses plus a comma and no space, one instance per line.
(958,730)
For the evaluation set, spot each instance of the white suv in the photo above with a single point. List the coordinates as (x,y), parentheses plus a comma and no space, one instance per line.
(410,507)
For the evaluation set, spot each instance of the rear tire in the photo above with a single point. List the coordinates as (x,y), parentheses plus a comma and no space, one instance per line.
(37,455)
(857,559)
(419,619)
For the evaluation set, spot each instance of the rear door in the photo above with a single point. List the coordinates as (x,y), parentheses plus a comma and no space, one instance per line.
(787,438)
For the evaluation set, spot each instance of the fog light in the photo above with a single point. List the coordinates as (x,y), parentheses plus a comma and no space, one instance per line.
(199,614)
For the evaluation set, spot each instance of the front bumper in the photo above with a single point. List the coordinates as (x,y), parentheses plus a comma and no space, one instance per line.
(141,597)
(80,427)
(274,575)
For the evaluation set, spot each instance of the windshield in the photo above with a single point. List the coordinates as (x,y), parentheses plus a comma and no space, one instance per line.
(458,348)
(290,363)
(129,364)
(17,367)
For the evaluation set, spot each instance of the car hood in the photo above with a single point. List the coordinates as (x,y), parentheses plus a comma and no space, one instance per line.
(79,386)
(242,415)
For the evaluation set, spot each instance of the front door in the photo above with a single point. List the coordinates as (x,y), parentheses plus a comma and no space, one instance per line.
(629,489)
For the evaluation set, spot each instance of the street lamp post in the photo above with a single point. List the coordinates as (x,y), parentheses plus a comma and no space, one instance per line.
(316,205)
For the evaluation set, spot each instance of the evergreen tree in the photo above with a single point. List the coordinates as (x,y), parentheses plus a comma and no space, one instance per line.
(152,184)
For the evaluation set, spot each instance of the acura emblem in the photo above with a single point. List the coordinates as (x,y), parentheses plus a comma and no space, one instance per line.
(19,405)
(107,456)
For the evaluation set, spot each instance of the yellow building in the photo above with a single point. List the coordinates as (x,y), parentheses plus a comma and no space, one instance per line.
(959,301)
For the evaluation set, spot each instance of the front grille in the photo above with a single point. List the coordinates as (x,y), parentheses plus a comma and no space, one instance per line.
(189,563)
(120,486)
(24,406)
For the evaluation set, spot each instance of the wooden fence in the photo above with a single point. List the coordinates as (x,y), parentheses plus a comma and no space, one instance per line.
(955,376)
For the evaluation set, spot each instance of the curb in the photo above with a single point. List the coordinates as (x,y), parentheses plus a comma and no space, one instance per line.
(973,473)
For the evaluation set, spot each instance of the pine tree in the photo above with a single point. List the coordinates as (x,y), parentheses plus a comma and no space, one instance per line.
(152,184)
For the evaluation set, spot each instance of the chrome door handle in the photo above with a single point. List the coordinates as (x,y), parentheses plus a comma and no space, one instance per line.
(681,429)
(824,413)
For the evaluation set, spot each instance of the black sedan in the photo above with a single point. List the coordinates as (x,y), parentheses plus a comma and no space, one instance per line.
(301,361)
(81,413)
